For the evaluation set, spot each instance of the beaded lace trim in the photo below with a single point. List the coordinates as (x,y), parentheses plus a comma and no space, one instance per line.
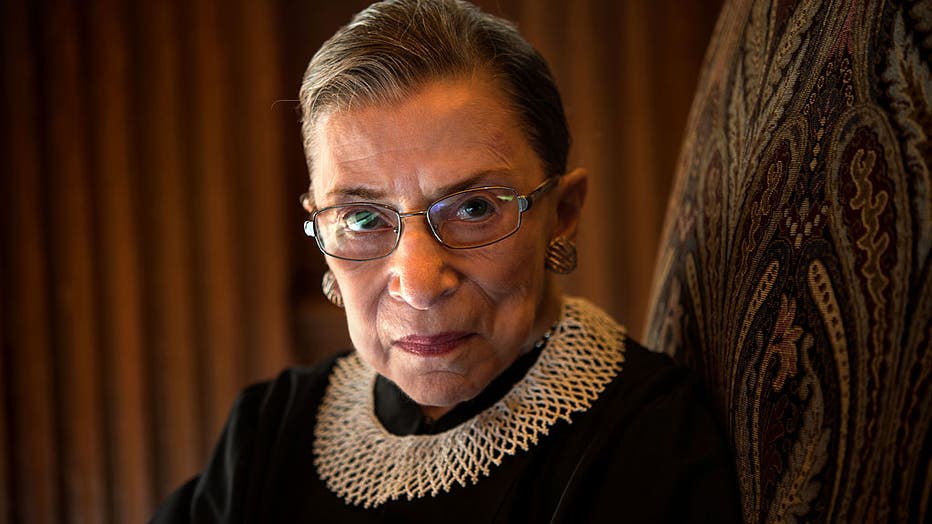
(366,465)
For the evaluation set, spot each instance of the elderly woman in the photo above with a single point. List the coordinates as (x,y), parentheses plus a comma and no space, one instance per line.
(439,194)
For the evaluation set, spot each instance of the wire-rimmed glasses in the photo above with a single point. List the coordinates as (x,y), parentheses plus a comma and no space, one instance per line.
(466,219)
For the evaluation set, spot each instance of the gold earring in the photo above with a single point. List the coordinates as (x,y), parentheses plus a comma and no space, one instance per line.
(561,256)
(331,289)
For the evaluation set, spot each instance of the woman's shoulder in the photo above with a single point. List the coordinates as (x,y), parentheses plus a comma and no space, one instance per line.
(661,408)
(654,443)
(294,387)
(266,415)
(648,375)
(645,360)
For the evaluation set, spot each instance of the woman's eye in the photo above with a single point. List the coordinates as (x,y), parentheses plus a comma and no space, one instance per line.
(361,220)
(475,208)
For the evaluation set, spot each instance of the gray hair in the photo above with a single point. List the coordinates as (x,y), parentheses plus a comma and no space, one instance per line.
(392,48)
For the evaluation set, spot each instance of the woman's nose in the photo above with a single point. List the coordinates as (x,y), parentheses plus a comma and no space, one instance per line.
(420,273)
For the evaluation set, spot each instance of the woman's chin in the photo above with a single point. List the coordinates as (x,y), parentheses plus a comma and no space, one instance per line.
(439,391)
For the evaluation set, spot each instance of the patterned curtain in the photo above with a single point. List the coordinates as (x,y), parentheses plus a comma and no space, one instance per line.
(151,256)
(795,270)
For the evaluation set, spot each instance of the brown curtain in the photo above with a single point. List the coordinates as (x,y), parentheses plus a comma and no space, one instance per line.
(152,259)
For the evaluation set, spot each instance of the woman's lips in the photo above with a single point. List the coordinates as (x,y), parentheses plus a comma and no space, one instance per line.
(432,345)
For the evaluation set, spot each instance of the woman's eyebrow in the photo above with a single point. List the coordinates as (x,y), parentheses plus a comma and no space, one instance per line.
(479,179)
(355,192)
(365,193)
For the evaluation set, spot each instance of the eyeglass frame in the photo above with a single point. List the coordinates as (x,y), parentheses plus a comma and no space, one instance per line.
(525,202)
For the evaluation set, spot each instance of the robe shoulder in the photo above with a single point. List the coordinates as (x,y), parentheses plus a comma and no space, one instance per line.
(654,451)
(260,415)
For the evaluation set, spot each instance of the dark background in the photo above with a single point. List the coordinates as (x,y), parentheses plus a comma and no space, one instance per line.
(152,261)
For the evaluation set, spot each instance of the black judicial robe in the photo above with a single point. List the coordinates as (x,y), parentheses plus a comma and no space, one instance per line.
(647,450)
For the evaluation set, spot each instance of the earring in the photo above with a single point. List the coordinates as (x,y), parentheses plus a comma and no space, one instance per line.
(561,256)
(331,289)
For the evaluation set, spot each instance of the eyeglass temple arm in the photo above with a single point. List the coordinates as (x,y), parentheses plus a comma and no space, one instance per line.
(525,202)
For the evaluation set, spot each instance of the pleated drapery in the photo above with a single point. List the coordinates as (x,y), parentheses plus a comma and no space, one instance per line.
(152,256)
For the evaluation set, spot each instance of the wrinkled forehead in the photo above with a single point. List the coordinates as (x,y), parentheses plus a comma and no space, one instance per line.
(451,126)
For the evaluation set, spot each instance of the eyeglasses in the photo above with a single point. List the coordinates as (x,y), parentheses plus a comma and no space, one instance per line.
(463,220)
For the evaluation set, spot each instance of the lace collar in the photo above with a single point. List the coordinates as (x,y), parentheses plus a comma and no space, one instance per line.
(366,465)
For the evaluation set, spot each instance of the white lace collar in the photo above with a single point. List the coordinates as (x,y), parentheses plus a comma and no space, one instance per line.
(366,465)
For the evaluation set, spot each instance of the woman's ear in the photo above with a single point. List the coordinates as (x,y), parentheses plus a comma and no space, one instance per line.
(571,194)
(306,202)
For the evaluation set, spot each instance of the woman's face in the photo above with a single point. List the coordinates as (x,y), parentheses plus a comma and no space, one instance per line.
(441,323)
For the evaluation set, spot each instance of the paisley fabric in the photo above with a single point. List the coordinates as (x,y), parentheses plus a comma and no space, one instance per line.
(794,270)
